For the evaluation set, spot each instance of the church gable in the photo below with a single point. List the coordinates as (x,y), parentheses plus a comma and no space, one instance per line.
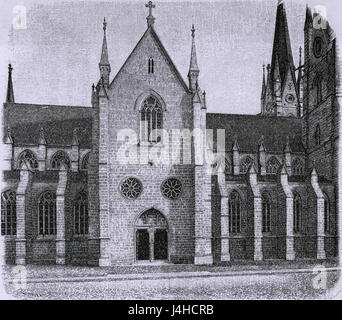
(149,61)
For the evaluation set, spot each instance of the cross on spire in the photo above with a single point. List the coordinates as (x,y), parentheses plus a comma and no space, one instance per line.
(150,6)
(104,24)
(10,94)
(150,19)
(193,31)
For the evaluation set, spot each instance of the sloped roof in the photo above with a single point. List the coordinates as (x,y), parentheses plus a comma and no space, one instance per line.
(250,129)
(58,122)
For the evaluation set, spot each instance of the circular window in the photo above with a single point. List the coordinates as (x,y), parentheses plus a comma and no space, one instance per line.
(289,98)
(171,188)
(318,47)
(131,188)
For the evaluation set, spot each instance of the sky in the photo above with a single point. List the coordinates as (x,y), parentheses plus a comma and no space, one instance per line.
(55,58)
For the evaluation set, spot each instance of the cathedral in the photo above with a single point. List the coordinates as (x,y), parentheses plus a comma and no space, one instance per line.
(106,185)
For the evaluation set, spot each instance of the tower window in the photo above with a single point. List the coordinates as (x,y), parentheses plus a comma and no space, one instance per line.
(150,65)
(318,47)
(318,90)
(317,135)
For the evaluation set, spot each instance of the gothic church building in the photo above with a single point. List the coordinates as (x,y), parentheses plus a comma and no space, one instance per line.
(69,197)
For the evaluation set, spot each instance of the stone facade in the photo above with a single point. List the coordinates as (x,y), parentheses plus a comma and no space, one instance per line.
(91,187)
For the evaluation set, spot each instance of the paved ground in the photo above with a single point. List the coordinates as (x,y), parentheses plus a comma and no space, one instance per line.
(53,271)
(294,285)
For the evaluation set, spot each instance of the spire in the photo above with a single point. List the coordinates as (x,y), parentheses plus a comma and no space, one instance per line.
(42,140)
(104,55)
(8,137)
(204,100)
(193,59)
(261,143)
(93,93)
(263,89)
(269,88)
(268,75)
(10,93)
(193,69)
(104,64)
(283,171)
(314,172)
(300,69)
(308,18)
(150,18)
(281,45)
(287,148)
(75,141)
(235,145)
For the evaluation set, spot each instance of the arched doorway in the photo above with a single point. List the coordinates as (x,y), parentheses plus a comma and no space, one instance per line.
(151,239)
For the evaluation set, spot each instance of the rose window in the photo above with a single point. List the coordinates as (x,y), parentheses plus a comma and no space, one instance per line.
(131,188)
(171,188)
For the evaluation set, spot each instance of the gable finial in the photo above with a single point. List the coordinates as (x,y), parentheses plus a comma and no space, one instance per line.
(104,64)
(75,140)
(42,140)
(10,93)
(150,19)
(287,148)
(193,69)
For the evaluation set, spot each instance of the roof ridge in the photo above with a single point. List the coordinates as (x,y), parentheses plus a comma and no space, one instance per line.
(45,105)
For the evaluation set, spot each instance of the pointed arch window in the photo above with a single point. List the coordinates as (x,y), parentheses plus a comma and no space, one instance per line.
(47,213)
(246,164)
(80,209)
(297,213)
(326,214)
(60,157)
(28,156)
(317,135)
(266,213)
(85,161)
(297,167)
(272,166)
(318,89)
(150,65)
(8,213)
(151,120)
(234,204)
